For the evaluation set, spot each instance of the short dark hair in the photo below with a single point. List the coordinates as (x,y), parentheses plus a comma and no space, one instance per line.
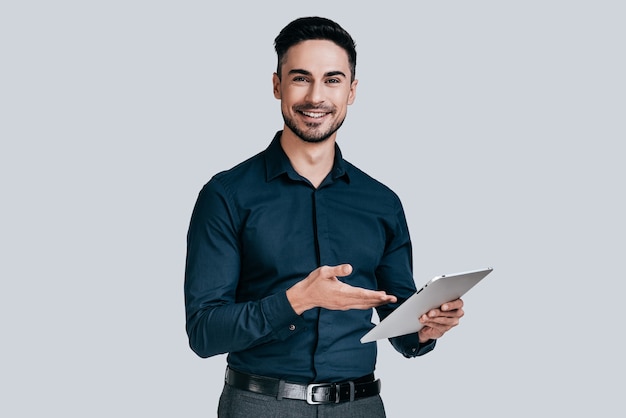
(309,28)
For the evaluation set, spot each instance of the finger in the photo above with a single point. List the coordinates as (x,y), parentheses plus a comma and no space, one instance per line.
(364,304)
(452,305)
(370,296)
(340,270)
(441,322)
(346,270)
(365,297)
(435,314)
(456,313)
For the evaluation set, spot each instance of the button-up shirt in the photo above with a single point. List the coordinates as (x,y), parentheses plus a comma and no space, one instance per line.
(259,228)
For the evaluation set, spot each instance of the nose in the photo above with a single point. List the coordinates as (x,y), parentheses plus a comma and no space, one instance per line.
(315,92)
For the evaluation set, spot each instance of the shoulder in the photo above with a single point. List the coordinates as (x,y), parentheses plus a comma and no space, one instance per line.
(362,181)
(222,192)
(246,172)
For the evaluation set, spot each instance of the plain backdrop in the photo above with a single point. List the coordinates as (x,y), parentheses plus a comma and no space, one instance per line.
(499,123)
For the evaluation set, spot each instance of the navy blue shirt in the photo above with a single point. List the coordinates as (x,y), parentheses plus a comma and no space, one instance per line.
(259,228)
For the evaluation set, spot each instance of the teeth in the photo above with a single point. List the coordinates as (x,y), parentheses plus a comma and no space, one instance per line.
(313,115)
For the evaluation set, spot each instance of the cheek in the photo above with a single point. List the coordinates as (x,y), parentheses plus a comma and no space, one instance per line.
(343,99)
(289,98)
(348,99)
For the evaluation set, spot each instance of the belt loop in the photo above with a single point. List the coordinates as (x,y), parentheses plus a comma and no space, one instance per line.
(351,383)
(281,390)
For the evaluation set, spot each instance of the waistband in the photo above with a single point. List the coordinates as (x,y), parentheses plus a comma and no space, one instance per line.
(312,393)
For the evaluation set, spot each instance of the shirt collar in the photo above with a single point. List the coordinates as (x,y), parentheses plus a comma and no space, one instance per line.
(277,162)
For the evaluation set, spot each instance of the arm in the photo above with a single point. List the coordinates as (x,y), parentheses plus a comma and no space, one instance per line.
(397,264)
(215,322)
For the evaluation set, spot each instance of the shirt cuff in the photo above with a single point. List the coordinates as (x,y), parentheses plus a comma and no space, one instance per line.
(281,316)
(409,345)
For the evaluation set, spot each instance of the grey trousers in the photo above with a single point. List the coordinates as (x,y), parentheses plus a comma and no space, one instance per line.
(236,403)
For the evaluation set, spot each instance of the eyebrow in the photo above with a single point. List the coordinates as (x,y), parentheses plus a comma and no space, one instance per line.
(328,74)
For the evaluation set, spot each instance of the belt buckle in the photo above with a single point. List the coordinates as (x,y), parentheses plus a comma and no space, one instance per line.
(310,391)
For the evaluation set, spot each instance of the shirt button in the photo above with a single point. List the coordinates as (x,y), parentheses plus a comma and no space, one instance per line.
(292,327)
(414,349)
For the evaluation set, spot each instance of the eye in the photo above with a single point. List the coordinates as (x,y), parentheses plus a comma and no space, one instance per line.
(333,81)
(300,79)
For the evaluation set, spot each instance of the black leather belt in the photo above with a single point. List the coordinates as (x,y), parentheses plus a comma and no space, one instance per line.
(313,393)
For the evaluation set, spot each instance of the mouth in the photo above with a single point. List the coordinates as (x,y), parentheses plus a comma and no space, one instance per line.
(314,115)
(312,112)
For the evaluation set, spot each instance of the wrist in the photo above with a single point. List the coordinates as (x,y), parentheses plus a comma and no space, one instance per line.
(297,299)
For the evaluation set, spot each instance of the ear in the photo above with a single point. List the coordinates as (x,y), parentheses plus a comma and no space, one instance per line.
(276,84)
(352,93)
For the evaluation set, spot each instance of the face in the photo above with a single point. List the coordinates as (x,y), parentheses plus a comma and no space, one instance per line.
(314,89)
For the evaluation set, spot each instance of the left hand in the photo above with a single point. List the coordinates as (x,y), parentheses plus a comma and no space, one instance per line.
(439,321)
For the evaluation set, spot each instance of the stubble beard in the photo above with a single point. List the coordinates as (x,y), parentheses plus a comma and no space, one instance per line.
(312,135)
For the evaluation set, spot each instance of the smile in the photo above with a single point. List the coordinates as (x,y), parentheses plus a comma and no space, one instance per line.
(314,115)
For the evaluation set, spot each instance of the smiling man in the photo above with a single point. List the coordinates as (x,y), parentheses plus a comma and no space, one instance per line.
(289,252)
(314,98)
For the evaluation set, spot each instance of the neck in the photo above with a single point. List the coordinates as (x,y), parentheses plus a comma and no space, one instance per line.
(312,161)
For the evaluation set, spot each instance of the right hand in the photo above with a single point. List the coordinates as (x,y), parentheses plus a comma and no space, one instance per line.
(322,288)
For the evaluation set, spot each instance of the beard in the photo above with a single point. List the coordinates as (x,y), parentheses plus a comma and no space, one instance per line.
(311,131)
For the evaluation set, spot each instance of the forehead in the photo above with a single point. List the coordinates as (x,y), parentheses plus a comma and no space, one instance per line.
(316,55)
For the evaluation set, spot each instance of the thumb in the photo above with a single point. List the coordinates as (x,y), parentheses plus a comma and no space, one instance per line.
(342,270)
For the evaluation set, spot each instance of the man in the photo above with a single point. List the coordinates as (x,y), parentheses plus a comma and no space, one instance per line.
(289,251)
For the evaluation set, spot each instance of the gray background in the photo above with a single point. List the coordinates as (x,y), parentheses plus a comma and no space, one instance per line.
(499,123)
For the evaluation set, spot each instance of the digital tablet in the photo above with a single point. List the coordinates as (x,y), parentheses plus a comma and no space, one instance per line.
(441,289)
